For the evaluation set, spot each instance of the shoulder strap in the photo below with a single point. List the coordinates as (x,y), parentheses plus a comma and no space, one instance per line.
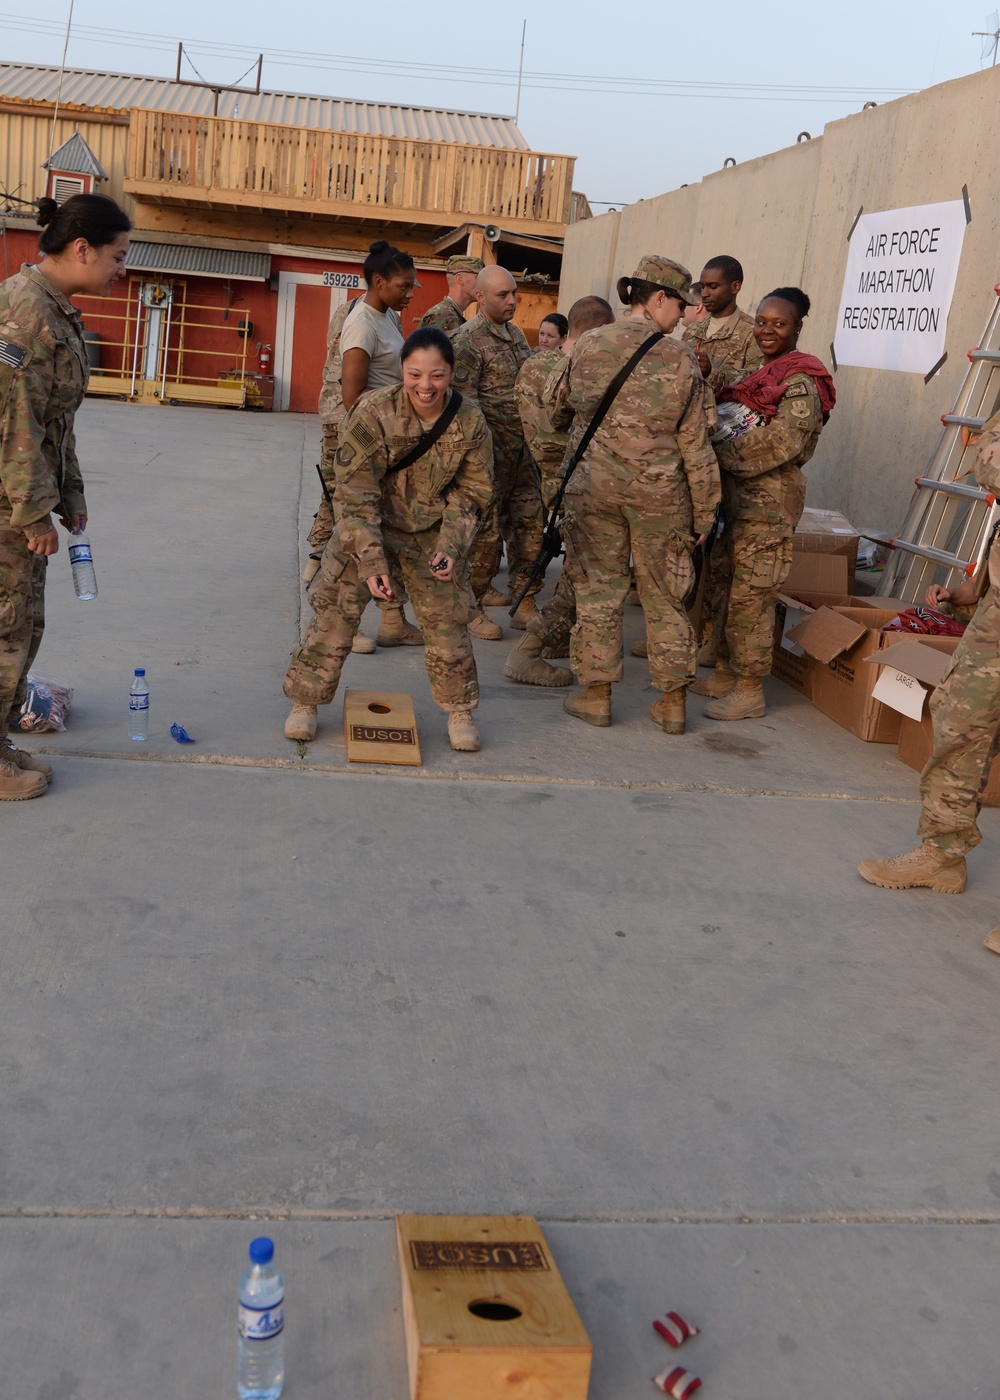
(610,395)
(427,440)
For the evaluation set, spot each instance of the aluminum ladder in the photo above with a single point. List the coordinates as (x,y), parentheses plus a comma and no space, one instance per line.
(950,518)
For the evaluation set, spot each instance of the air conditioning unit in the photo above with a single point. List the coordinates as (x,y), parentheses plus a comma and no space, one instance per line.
(65,186)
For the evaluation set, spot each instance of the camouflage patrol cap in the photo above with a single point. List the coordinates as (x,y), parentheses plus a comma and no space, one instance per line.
(664,272)
(461,263)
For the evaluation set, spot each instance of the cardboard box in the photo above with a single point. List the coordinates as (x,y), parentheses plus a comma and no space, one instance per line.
(827,532)
(789,662)
(840,640)
(819,573)
(923,663)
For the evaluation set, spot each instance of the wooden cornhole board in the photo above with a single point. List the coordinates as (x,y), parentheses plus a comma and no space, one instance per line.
(524,1341)
(380,727)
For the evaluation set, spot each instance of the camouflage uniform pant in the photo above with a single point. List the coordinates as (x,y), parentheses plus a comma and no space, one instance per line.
(322,526)
(715,605)
(514,518)
(555,619)
(339,596)
(760,542)
(966,713)
(601,531)
(22,619)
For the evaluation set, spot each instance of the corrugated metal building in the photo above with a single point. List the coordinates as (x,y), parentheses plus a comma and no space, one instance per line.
(237,260)
(117,92)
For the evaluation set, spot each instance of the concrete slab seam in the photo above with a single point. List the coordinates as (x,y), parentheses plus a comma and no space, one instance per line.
(835,1218)
(528,779)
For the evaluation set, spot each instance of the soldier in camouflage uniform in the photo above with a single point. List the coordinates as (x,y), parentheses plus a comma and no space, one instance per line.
(331,414)
(723,340)
(449,315)
(43,378)
(966,713)
(489,351)
(765,492)
(424,515)
(548,634)
(648,484)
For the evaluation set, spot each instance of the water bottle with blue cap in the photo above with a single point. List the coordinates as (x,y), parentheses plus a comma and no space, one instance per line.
(262,1322)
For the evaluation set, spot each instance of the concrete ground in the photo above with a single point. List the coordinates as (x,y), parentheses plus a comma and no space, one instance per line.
(627,983)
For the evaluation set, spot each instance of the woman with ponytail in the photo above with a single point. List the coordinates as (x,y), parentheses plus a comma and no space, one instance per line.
(43,378)
(770,422)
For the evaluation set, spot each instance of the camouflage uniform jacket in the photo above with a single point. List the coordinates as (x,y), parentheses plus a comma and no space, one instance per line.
(729,344)
(762,466)
(546,445)
(445,316)
(657,429)
(331,405)
(43,378)
(487,359)
(448,487)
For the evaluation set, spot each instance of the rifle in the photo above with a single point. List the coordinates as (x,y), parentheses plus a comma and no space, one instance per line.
(322,482)
(552,543)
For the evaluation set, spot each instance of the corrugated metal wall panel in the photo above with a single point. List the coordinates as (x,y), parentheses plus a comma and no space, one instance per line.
(117,91)
(203,262)
(24,146)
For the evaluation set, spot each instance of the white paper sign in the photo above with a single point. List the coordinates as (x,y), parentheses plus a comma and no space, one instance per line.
(901,270)
(900,692)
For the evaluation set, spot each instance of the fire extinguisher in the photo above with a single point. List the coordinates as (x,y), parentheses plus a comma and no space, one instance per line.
(264,359)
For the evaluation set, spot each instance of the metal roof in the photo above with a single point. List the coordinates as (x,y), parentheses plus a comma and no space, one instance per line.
(119,91)
(75,156)
(202,262)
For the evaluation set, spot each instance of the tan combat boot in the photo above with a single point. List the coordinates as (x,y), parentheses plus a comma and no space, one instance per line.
(668,711)
(395,631)
(992,940)
(301,723)
(592,705)
(525,664)
(17,784)
(527,610)
(462,732)
(640,649)
(557,653)
(362,645)
(493,598)
(707,655)
(27,762)
(925,867)
(744,701)
(720,682)
(482,627)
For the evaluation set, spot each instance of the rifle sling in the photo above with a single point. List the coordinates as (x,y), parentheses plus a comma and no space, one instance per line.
(426,441)
(611,393)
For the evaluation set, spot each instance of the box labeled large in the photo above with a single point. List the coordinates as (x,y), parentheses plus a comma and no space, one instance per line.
(486,1312)
(789,662)
(925,663)
(841,640)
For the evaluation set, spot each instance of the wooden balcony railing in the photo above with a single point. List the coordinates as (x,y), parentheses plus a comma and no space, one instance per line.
(179,158)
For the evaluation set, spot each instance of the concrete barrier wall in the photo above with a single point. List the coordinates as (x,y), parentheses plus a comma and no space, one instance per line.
(786,216)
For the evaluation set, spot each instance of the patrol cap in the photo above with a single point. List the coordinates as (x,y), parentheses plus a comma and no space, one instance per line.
(664,272)
(461,263)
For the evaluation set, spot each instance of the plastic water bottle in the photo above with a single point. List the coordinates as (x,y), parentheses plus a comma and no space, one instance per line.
(81,561)
(138,706)
(262,1321)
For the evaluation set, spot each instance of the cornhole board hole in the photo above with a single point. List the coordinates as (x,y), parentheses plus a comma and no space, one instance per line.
(486,1312)
(380,727)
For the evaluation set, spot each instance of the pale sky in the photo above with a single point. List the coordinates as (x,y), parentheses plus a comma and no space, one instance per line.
(595,74)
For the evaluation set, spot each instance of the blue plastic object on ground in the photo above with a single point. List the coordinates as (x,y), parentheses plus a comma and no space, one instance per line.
(180,734)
